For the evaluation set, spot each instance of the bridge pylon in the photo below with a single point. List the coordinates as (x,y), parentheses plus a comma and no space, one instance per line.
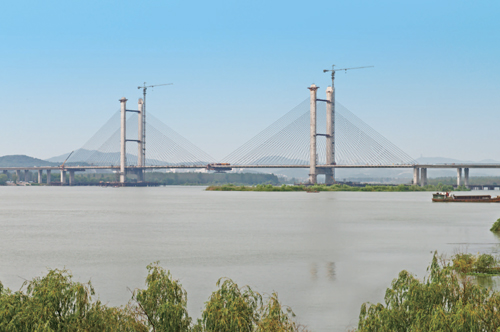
(330,135)
(123,139)
(140,141)
(313,174)
(141,152)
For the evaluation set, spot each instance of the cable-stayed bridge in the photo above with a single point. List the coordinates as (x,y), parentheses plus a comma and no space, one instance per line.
(318,134)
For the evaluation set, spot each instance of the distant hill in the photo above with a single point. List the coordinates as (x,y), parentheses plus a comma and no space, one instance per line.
(80,156)
(23,161)
(439,160)
(489,161)
(27,161)
(77,156)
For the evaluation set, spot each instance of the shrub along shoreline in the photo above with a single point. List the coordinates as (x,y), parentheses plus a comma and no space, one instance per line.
(335,187)
(55,302)
(446,300)
(449,299)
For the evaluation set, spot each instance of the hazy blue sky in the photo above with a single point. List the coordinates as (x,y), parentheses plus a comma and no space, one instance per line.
(238,66)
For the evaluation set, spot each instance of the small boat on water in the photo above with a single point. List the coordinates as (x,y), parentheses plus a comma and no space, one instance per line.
(446,197)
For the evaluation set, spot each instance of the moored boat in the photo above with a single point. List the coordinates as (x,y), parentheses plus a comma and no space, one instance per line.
(446,197)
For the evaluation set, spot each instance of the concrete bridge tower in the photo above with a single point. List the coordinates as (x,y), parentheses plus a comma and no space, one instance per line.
(313,174)
(330,135)
(123,139)
(141,158)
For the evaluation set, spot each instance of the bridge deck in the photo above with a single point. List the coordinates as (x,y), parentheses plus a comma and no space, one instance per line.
(113,167)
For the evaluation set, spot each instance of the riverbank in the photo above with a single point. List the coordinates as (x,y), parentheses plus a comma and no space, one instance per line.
(335,187)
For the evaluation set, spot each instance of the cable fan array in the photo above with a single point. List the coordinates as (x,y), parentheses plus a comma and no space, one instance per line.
(285,142)
(164,146)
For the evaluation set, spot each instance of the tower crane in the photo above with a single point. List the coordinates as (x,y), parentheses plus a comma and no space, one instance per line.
(330,136)
(333,70)
(144,88)
(62,166)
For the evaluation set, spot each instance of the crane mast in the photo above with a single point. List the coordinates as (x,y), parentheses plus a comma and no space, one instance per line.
(330,126)
(143,138)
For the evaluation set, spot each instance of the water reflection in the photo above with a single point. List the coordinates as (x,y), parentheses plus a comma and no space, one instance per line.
(330,270)
(491,282)
(314,271)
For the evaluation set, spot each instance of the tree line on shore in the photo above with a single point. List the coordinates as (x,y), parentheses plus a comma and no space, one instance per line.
(335,187)
(184,178)
(449,299)
(473,180)
(195,178)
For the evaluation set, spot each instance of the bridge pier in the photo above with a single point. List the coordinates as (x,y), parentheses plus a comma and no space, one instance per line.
(416,180)
(40,173)
(123,140)
(63,177)
(466,177)
(26,171)
(423,177)
(140,174)
(48,176)
(459,176)
(71,178)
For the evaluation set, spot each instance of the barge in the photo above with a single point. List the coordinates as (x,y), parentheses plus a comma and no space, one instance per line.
(446,197)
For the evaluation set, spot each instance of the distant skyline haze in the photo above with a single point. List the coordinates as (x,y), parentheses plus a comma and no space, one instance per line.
(239,66)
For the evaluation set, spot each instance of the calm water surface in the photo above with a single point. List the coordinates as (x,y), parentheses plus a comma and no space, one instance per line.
(325,254)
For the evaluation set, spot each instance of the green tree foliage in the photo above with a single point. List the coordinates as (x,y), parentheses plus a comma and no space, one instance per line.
(162,305)
(473,180)
(3,179)
(464,263)
(485,263)
(335,187)
(191,178)
(445,301)
(231,309)
(496,226)
(187,178)
(235,309)
(56,303)
(276,318)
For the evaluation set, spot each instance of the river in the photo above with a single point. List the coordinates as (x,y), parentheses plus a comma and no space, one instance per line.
(323,253)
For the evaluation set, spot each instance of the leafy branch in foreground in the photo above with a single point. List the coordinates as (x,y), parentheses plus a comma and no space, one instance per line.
(56,303)
(235,309)
(162,305)
(444,301)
